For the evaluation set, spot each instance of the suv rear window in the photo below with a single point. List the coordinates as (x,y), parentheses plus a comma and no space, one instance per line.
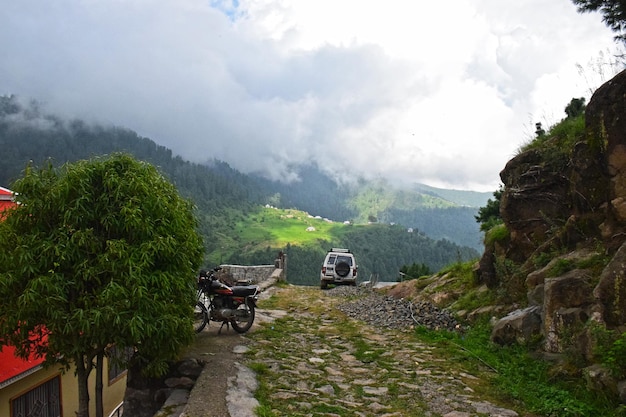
(331,260)
(346,259)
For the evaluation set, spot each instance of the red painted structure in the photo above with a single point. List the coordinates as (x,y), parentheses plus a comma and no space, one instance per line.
(12,367)
(6,199)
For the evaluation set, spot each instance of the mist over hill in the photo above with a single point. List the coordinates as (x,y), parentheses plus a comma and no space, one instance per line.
(227,199)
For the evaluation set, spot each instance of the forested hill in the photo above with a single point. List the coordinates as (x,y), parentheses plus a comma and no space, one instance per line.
(27,135)
(225,197)
(438,213)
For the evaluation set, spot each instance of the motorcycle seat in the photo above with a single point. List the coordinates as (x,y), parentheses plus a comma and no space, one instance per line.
(245,290)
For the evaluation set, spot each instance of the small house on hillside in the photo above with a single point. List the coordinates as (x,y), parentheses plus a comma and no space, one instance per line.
(27,389)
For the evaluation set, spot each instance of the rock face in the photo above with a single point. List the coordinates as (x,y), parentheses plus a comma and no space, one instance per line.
(567,207)
(533,198)
(611,290)
(144,396)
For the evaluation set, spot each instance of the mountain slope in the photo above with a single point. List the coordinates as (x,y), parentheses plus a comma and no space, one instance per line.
(458,197)
(440,214)
(228,201)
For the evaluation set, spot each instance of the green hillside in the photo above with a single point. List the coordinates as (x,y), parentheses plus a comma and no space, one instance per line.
(440,214)
(235,222)
(373,199)
(380,249)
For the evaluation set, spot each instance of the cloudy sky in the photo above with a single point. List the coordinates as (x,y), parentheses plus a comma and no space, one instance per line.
(440,92)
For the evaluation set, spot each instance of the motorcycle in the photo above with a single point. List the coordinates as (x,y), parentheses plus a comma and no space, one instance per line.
(216,301)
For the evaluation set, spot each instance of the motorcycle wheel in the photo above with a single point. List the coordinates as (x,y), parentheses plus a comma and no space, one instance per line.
(200,317)
(244,318)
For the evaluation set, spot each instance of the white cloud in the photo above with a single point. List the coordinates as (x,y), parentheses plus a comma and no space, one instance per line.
(442,93)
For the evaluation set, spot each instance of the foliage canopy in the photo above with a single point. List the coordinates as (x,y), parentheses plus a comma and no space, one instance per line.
(613,14)
(489,215)
(100,252)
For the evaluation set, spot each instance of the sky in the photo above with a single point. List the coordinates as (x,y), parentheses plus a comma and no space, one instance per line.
(440,93)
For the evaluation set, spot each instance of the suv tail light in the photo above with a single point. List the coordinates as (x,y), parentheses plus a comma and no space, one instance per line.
(323,270)
(354,272)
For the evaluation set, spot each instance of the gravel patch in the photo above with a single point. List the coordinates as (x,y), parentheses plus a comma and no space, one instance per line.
(388,312)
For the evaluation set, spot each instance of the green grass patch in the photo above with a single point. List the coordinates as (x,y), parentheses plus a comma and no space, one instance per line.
(560,267)
(462,271)
(259,368)
(516,376)
(475,298)
(279,227)
(498,233)
(364,352)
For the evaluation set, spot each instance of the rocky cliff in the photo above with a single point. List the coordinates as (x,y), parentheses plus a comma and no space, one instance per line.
(564,254)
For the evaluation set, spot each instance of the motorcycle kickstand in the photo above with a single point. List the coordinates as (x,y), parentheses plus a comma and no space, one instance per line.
(223,323)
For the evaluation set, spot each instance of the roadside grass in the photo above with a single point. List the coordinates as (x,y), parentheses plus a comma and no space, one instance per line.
(515,376)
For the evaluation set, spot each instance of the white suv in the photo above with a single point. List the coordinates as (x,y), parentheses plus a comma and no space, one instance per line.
(339,267)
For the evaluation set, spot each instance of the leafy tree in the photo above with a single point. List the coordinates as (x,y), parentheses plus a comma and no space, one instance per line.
(98,253)
(489,215)
(575,108)
(613,14)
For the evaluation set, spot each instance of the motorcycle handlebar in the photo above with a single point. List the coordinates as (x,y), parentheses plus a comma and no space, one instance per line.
(203,274)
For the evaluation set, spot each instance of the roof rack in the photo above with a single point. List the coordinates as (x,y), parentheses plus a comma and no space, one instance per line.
(339,250)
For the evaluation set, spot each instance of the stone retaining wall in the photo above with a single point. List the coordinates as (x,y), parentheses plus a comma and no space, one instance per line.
(240,273)
(255,274)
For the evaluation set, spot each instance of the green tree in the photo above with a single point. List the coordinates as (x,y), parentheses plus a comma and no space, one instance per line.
(98,253)
(613,14)
(489,215)
(575,108)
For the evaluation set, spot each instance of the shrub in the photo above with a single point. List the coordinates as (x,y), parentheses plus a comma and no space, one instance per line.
(498,233)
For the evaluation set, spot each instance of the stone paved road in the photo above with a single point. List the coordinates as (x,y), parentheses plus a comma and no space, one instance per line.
(320,363)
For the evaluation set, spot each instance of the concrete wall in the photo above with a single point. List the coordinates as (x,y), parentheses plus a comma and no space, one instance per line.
(263,275)
(241,273)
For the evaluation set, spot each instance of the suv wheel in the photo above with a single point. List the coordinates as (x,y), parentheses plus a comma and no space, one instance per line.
(342,269)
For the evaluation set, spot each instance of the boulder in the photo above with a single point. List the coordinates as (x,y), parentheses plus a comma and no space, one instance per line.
(144,395)
(598,378)
(611,290)
(621,391)
(520,326)
(573,290)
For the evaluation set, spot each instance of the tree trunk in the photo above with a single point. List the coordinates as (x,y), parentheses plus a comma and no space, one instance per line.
(99,371)
(82,375)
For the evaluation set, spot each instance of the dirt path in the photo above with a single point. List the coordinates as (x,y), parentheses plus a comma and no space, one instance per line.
(223,389)
(318,362)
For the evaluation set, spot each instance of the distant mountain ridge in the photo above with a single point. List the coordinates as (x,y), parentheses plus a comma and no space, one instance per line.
(438,213)
(27,134)
(459,197)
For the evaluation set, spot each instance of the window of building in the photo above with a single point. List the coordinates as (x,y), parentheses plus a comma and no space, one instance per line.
(42,401)
(118,358)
